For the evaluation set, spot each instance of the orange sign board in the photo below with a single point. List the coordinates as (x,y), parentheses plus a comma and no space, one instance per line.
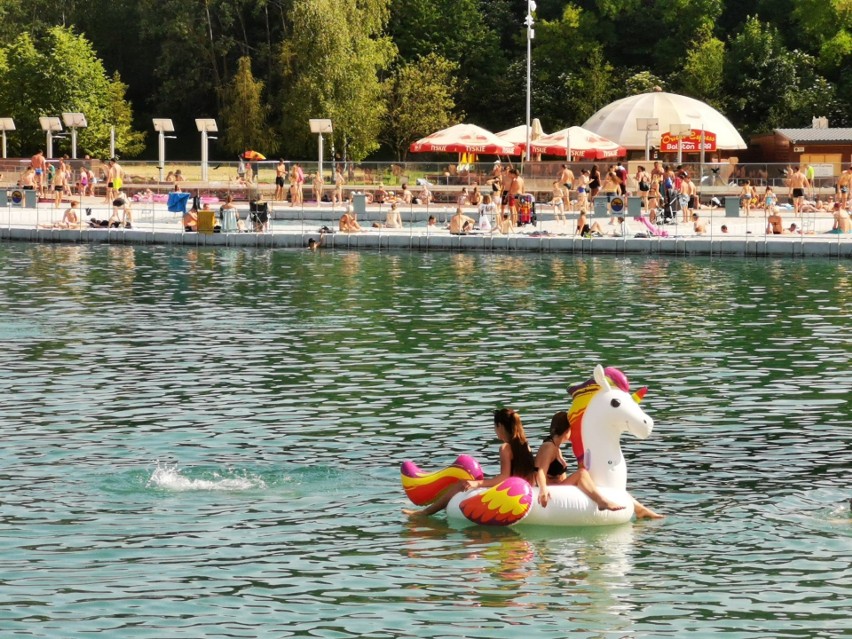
(689,142)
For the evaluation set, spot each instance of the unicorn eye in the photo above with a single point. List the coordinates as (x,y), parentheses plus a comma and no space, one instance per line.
(615,403)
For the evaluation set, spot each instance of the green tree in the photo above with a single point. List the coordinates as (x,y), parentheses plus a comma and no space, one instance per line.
(680,24)
(245,115)
(770,86)
(59,73)
(559,90)
(458,31)
(420,101)
(591,87)
(642,82)
(759,78)
(702,74)
(331,69)
(828,24)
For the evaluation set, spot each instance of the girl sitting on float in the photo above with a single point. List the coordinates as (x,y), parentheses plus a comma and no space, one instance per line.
(549,457)
(516,460)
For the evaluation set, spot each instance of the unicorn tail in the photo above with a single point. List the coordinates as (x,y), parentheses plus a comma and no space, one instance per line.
(423,488)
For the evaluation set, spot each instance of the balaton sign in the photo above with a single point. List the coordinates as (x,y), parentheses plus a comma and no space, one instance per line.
(689,143)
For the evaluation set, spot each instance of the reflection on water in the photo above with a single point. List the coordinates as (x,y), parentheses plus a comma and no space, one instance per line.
(205,442)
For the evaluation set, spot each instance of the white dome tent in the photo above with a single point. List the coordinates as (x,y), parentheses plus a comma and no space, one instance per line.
(618,121)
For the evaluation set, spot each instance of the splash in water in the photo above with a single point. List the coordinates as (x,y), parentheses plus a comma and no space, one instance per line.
(170,477)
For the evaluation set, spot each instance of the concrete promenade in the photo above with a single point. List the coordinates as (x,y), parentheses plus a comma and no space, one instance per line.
(292,227)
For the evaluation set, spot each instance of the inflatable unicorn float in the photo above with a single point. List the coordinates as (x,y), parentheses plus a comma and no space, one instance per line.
(602,409)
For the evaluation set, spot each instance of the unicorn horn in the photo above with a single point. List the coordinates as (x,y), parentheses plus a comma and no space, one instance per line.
(640,393)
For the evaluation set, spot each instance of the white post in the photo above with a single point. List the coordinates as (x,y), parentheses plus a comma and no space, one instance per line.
(204,155)
(162,155)
(531,6)
(568,147)
(4,144)
(679,148)
(73,142)
(647,145)
(49,147)
(112,141)
(319,150)
(701,160)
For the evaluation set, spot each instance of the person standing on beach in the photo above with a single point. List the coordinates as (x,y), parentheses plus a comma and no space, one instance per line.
(300,184)
(594,182)
(798,184)
(566,179)
(280,172)
(39,165)
(115,179)
(844,183)
(581,185)
(59,182)
(688,190)
(339,181)
(516,188)
(317,186)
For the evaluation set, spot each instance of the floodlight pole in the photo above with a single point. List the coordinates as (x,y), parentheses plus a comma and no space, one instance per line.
(204,154)
(320,126)
(6,124)
(319,154)
(679,130)
(531,6)
(49,143)
(647,125)
(73,142)
(162,153)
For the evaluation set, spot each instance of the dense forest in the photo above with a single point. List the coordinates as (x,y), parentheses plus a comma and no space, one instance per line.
(389,71)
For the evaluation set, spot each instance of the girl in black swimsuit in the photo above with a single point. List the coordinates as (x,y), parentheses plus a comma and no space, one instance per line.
(550,457)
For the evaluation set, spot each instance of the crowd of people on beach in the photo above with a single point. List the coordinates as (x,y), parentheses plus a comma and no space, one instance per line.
(666,191)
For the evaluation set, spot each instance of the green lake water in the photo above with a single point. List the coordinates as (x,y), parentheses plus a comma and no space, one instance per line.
(206,443)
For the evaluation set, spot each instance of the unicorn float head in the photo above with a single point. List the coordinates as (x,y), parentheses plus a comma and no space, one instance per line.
(602,409)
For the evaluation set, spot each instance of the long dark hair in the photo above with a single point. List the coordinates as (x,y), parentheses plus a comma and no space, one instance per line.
(523,462)
(559,424)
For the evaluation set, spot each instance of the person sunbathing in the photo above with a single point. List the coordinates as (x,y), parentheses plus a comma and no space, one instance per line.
(461,223)
(190,221)
(348,223)
(774,224)
(69,220)
(842,223)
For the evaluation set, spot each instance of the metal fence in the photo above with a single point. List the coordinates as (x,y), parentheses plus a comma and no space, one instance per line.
(710,178)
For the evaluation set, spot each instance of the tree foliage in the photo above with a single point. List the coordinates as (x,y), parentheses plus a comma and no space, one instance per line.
(56,73)
(245,115)
(420,99)
(703,71)
(331,69)
(764,63)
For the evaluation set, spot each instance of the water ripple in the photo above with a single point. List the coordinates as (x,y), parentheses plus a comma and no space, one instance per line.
(205,443)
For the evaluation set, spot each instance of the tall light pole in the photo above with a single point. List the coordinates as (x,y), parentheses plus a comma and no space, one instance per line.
(531,6)
(163,126)
(50,125)
(679,130)
(320,126)
(74,121)
(205,126)
(6,124)
(647,125)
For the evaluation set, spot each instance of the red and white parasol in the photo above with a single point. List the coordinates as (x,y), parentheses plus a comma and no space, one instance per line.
(583,144)
(464,138)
